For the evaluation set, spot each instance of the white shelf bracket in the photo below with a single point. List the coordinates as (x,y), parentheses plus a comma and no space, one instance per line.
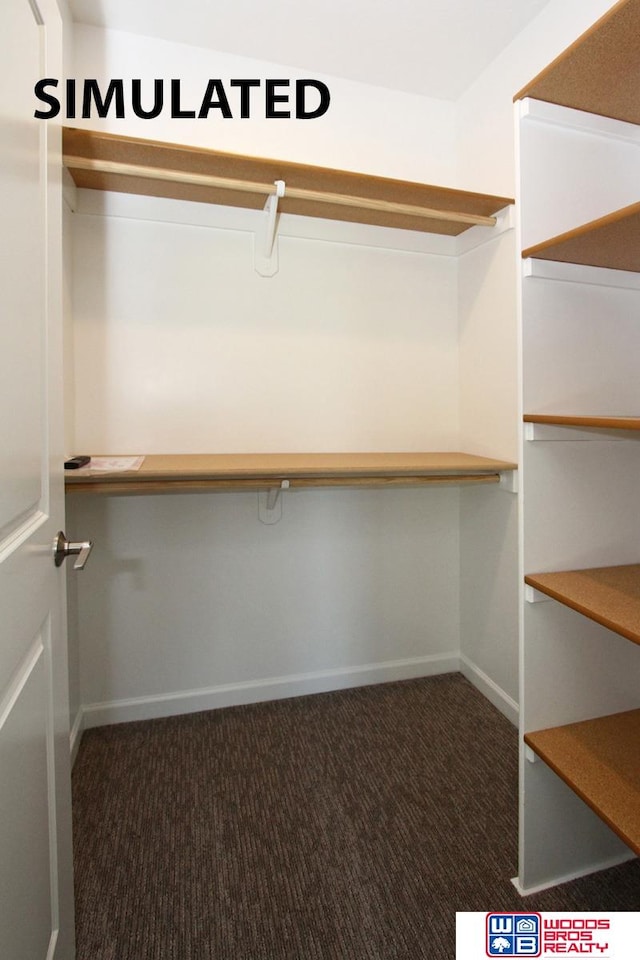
(270,503)
(478,236)
(265,245)
(508,481)
(532,595)
(530,755)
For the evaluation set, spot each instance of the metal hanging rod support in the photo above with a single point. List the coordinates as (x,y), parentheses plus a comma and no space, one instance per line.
(271,210)
(295,193)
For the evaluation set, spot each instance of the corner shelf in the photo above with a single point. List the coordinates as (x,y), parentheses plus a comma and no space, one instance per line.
(210,472)
(600,72)
(101,161)
(608,595)
(612,241)
(600,761)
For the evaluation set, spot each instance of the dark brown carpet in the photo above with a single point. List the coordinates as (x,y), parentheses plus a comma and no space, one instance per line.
(341,826)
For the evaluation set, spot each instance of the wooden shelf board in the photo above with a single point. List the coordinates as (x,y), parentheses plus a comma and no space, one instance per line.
(600,760)
(608,595)
(89,145)
(175,473)
(600,72)
(612,241)
(146,487)
(602,422)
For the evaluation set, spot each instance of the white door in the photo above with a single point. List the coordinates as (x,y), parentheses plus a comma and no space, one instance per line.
(36,907)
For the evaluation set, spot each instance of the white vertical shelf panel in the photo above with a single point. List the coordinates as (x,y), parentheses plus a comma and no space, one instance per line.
(581,343)
(576,169)
(582,670)
(581,504)
(567,845)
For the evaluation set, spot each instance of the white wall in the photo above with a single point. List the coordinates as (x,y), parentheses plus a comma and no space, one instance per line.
(367,129)
(488,524)
(180,346)
(190,602)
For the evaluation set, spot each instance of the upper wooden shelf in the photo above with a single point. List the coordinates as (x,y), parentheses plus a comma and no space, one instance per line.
(208,472)
(600,760)
(600,422)
(612,241)
(102,161)
(608,595)
(600,72)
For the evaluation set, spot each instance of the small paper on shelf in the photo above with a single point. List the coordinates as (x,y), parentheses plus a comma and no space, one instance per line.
(115,464)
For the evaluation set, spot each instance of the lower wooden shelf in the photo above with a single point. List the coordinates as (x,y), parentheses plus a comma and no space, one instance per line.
(608,595)
(600,760)
(175,473)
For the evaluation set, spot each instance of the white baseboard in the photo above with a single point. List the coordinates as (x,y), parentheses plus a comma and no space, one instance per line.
(623,857)
(494,694)
(271,688)
(75,735)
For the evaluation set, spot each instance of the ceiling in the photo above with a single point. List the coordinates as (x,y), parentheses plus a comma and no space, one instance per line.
(431,47)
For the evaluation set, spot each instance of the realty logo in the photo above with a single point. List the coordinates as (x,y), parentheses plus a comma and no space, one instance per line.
(513,935)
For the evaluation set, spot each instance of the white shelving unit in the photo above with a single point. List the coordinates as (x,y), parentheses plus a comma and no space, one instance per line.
(580,668)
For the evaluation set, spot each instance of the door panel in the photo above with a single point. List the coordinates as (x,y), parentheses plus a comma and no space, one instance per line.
(36,886)
(23,211)
(24,794)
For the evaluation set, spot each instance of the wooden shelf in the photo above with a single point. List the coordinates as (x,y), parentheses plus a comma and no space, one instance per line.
(600,422)
(608,595)
(612,241)
(209,472)
(600,760)
(600,72)
(101,161)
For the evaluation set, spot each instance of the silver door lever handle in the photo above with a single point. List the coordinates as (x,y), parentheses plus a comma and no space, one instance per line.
(63,548)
